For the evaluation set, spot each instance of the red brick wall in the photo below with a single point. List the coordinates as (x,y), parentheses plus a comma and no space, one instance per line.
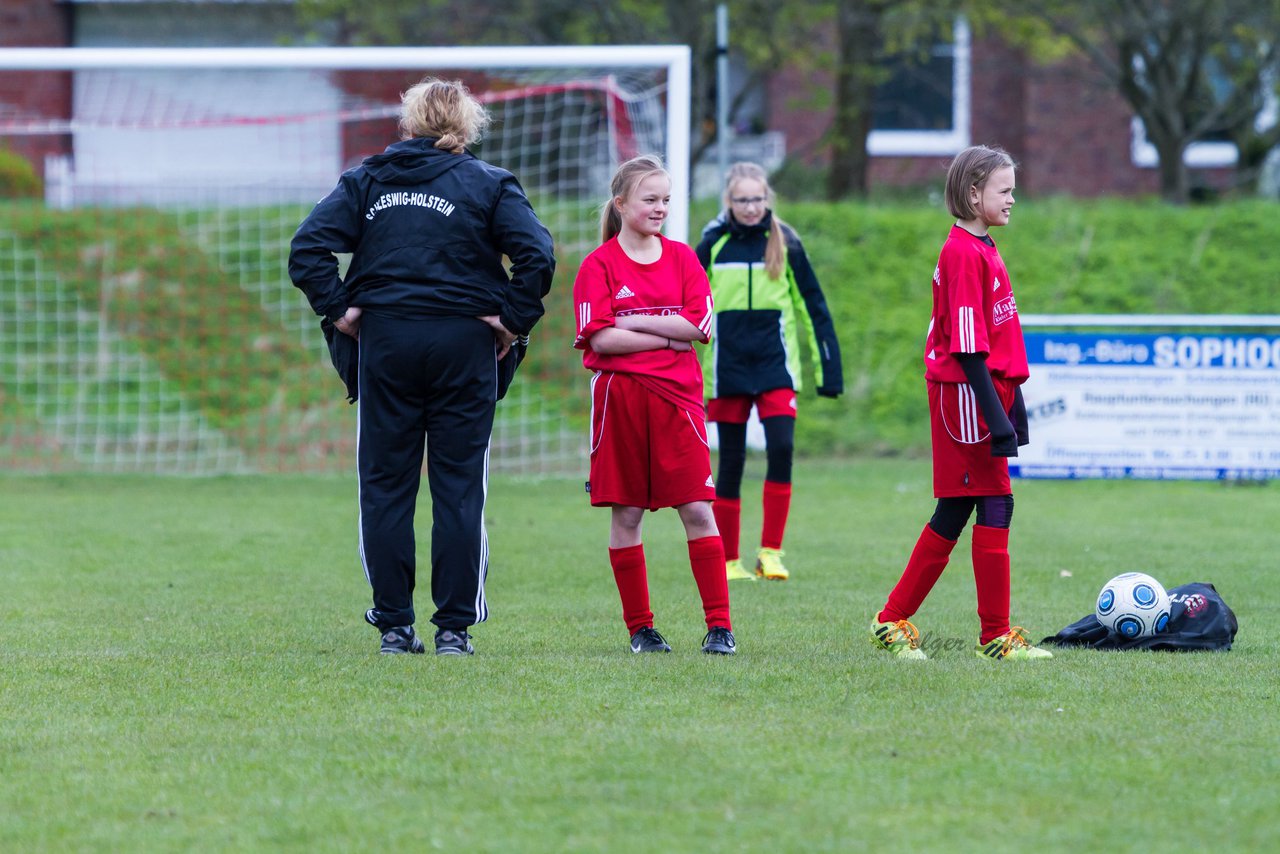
(998,103)
(35,23)
(1068,130)
(33,95)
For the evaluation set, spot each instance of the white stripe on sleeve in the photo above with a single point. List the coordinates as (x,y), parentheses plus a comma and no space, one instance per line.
(964,329)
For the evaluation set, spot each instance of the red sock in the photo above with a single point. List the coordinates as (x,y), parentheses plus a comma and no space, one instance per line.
(706,557)
(633,585)
(927,561)
(991,575)
(728,513)
(777,503)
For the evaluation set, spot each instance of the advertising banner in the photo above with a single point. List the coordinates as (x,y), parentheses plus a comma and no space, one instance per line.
(1176,405)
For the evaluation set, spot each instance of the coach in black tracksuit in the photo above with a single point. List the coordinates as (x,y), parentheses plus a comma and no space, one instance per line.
(433,309)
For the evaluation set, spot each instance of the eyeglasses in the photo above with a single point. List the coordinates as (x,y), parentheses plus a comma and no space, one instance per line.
(748,201)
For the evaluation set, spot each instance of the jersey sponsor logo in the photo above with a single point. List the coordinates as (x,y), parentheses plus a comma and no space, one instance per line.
(650,311)
(1004,311)
(937,277)
(624,293)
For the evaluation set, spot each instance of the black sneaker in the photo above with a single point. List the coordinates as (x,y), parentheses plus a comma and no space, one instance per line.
(648,640)
(453,642)
(719,641)
(401,639)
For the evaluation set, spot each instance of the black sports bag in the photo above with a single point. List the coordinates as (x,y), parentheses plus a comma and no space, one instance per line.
(1198,620)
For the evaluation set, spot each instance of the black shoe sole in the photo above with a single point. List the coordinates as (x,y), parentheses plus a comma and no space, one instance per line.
(397,651)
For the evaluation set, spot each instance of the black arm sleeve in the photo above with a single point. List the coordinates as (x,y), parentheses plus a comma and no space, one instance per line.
(1004,441)
(1020,419)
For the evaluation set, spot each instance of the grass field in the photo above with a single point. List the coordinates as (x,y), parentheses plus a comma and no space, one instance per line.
(183,666)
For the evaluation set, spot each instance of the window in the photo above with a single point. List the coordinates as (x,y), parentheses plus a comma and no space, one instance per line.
(923,109)
(1215,148)
(1199,155)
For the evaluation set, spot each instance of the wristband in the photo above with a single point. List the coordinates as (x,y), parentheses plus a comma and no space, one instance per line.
(668,347)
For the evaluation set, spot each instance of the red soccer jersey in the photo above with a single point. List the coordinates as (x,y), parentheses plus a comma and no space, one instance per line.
(610,285)
(973,312)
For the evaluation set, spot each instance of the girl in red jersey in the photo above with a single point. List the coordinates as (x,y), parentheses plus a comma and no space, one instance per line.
(642,301)
(975,362)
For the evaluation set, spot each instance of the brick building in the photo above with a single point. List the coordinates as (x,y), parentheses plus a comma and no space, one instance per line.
(35,23)
(1069,131)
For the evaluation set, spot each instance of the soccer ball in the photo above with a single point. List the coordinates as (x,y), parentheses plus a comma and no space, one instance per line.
(1133,605)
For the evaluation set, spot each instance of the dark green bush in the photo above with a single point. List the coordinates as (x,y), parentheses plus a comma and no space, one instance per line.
(18,180)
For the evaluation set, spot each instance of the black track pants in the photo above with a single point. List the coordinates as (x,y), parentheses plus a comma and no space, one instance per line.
(432,379)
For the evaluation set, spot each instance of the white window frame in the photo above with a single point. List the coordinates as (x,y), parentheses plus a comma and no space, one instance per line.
(1204,155)
(926,143)
(1198,155)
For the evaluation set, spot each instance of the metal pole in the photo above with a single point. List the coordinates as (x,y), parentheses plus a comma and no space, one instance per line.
(723,133)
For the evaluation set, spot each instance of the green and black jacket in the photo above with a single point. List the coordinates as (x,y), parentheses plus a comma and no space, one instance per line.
(759,321)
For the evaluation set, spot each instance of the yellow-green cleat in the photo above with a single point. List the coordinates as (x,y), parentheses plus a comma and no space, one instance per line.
(900,638)
(1011,646)
(734,571)
(769,565)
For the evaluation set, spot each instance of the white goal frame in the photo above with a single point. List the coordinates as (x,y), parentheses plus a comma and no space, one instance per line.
(95,397)
(675,59)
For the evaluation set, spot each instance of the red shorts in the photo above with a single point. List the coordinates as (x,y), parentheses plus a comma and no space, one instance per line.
(736,409)
(645,450)
(962,461)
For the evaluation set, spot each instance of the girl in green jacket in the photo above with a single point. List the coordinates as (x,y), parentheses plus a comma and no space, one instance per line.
(766,299)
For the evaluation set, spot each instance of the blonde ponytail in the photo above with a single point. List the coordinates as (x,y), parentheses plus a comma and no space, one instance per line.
(624,183)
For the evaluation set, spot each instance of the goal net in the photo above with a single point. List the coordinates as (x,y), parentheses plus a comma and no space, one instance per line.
(147,321)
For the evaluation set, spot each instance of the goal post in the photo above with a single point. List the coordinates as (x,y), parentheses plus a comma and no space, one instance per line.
(172,181)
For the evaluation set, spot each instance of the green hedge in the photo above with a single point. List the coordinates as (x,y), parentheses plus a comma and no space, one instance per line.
(875,263)
(18,180)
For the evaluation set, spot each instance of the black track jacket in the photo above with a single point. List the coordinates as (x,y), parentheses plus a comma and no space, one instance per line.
(427,230)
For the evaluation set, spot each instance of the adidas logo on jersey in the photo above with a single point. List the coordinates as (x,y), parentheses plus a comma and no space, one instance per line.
(995,285)
(623,293)
(711,483)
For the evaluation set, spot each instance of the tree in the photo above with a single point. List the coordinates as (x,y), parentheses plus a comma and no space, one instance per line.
(1253,64)
(869,33)
(1186,67)
(766,34)
(763,33)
